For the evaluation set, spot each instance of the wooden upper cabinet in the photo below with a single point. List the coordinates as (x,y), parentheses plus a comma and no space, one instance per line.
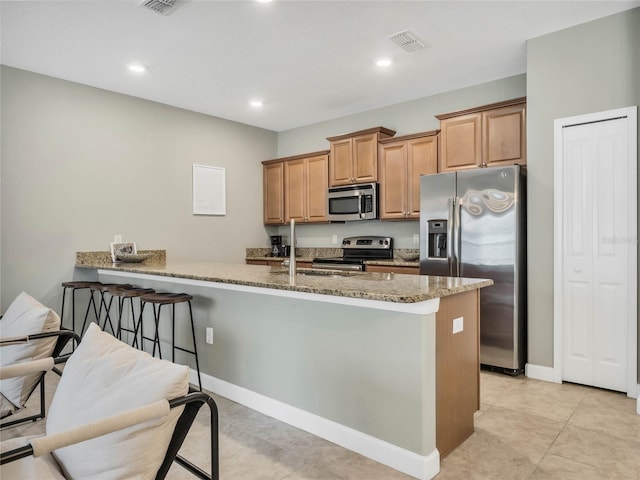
(401,161)
(504,135)
(306,180)
(486,136)
(353,157)
(273,192)
(461,142)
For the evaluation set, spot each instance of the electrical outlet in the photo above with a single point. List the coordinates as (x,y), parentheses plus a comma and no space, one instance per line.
(209,335)
(117,239)
(334,239)
(416,238)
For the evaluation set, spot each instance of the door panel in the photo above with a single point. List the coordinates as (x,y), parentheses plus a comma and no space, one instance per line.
(393,181)
(295,201)
(317,183)
(490,224)
(422,159)
(436,191)
(596,254)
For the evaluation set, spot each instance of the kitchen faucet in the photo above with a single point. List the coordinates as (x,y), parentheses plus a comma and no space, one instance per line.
(292,252)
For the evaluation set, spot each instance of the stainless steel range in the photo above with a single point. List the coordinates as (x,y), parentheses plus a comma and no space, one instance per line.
(355,250)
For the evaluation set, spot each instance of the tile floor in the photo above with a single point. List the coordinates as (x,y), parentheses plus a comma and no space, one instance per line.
(525,429)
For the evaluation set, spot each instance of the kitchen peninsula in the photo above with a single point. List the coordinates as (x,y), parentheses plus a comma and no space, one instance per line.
(383,364)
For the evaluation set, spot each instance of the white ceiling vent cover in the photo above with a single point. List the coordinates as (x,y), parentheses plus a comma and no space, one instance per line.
(163,7)
(408,41)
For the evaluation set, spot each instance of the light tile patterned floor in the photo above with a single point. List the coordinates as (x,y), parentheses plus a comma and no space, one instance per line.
(525,429)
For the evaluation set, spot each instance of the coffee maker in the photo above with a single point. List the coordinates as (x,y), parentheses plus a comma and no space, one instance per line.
(276,244)
(277,248)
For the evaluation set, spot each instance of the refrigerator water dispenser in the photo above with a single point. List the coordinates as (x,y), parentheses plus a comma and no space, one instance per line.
(437,238)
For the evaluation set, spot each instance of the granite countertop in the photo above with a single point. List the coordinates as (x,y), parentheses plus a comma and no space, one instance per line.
(387,287)
(402,257)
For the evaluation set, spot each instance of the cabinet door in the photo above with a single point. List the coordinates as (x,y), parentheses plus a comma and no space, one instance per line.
(422,159)
(341,162)
(393,181)
(295,190)
(504,136)
(365,158)
(317,182)
(461,142)
(273,193)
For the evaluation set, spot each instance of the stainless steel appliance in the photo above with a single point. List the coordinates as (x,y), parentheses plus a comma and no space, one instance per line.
(355,250)
(472,224)
(353,202)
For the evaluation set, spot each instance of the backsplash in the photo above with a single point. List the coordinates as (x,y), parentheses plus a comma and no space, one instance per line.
(320,235)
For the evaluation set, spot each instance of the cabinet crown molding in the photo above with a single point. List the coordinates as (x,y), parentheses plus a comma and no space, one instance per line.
(381,130)
(296,157)
(411,136)
(482,108)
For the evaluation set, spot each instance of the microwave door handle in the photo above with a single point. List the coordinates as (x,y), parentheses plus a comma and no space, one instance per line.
(360,201)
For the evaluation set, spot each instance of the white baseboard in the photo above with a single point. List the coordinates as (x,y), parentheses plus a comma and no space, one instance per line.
(405,461)
(539,372)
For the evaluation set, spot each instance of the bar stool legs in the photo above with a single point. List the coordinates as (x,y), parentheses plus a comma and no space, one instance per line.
(77,285)
(160,299)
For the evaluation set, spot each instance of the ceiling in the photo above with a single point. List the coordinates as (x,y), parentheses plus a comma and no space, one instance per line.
(309,61)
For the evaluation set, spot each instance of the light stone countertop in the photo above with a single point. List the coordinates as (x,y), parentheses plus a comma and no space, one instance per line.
(386,287)
(402,257)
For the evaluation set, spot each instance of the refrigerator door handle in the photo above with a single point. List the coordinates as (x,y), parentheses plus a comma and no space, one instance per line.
(456,237)
(450,237)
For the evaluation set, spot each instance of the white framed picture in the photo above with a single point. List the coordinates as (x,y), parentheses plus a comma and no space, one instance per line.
(209,195)
(118,248)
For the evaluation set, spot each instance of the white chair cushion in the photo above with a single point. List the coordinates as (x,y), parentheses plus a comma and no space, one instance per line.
(29,468)
(25,316)
(105,377)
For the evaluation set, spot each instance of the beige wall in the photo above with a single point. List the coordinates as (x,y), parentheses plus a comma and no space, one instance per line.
(588,68)
(80,164)
(408,117)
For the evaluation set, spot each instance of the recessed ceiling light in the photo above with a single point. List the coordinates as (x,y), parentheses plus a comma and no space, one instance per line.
(137,67)
(264,1)
(383,62)
(256,103)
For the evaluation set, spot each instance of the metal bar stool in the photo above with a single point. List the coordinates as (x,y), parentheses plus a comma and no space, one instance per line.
(124,294)
(172,299)
(101,289)
(78,285)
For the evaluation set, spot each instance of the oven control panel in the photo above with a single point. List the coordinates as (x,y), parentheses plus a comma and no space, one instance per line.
(369,242)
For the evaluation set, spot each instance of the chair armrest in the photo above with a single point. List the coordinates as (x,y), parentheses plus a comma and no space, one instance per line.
(26,368)
(101,427)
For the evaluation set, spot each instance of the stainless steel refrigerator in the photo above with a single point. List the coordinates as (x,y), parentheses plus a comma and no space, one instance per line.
(472,224)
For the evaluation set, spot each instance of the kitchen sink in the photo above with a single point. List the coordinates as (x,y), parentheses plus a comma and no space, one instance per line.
(318,272)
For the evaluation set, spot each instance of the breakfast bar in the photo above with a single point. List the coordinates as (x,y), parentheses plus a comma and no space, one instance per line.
(357,358)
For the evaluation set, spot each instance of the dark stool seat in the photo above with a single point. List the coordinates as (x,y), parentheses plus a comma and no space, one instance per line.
(165,298)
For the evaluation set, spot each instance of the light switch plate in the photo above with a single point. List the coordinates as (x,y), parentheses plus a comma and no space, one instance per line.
(416,239)
(209,335)
(458,325)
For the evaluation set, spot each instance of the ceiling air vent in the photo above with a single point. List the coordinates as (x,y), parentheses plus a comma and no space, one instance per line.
(408,41)
(163,7)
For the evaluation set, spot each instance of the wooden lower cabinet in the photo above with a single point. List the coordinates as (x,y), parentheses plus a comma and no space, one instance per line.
(457,369)
(392,269)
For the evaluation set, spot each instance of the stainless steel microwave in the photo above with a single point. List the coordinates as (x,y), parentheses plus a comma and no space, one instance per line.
(353,202)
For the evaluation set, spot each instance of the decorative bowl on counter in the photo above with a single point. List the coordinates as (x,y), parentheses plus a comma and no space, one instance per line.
(132,257)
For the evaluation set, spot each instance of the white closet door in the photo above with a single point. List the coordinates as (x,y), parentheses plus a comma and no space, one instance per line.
(598,300)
